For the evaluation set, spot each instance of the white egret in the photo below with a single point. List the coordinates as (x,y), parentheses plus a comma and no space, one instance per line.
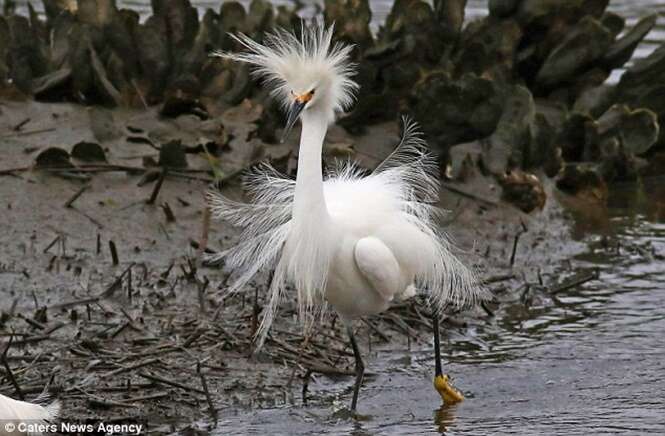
(13,412)
(357,242)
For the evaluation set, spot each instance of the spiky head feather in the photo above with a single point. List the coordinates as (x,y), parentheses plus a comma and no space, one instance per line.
(295,65)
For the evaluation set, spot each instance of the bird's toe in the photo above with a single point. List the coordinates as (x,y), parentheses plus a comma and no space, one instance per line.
(449,394)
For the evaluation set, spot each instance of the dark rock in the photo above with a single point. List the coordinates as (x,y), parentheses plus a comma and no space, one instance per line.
(79,42)
(53,157)
(586,43)
(505,149)
(25,58)
(617,165)
(540,148)
(642,76)
(613,22)
(103,84)
(583,180)
(97,13)
(181,22)
(545,13)
(488,49)
(450,16)
(153,53)
(454,111)
(52,85)
(261,16)
(523,190)
(89,152)
(206,40)
(218,78)
(351,18)
(37,26)
(241,86)
(642,86)
(61,27)
(54,8)
(121,37)
(622,49)
(639,131)
(183,98)
(286,18)
(636,130)
(172,155)
(589,79)
(595,101)
(502,8)
(595,8)
(413,21)
(233,18)
(574,134)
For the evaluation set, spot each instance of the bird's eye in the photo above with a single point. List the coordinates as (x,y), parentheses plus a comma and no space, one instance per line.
(312,92)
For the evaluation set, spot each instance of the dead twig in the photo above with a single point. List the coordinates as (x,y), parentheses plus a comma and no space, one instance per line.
(204,383)
(175,384)
(463,193)
(114,252)
(575,282)
(8,369)
(74,197)
(157,188)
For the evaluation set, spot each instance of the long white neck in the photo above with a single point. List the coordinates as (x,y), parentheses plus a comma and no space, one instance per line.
(309,203)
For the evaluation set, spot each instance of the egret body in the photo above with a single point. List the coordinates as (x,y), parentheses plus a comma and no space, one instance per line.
(355,241)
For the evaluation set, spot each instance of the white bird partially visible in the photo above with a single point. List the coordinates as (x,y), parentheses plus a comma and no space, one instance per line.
(14,412)
(357,241)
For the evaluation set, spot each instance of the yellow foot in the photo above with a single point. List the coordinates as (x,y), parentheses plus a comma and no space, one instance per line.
(448,393)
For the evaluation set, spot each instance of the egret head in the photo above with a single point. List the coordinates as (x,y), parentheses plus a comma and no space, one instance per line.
(309,74)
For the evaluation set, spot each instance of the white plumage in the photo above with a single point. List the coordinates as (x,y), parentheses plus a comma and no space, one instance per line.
(354,240)
(15,412)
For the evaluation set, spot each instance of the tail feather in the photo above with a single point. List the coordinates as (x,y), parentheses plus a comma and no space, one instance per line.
(21,411)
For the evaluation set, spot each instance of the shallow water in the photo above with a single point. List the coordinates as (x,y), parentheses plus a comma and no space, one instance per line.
(589,360)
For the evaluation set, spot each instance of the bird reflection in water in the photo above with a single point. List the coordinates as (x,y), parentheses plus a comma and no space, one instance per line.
(444,417)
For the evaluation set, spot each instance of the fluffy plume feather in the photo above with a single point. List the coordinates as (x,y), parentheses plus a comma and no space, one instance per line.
(292,65)
(407,184)
(413,173)
(20,411)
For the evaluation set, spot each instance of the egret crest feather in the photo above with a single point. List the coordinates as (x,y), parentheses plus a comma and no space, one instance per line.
(292,65)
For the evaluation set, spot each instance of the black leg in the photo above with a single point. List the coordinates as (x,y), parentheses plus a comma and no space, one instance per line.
(437,345)
(360,368)
(448,393)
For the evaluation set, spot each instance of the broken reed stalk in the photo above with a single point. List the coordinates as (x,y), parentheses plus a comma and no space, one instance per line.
(157,188)
(76,195)
(515,241)
(576,282)
(8,369)
(53,242)
(114,253)
(204,384)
